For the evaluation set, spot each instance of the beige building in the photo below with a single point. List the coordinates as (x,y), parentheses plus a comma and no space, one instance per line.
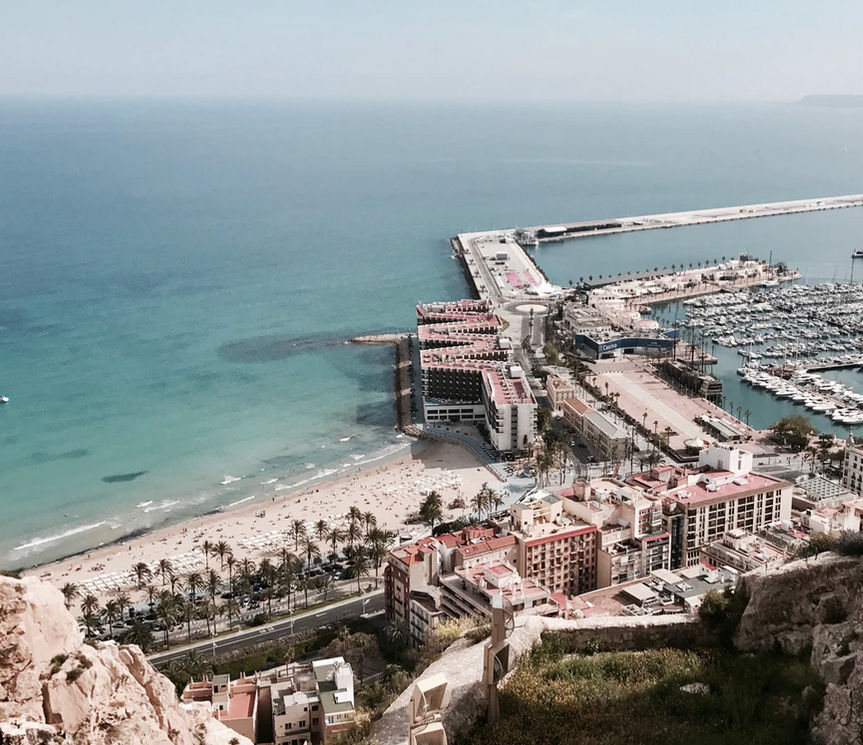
(596,428)
(558,390)
(631,539)
(703,504)
(296,704)
(852,466)
(554,549)
(235,703)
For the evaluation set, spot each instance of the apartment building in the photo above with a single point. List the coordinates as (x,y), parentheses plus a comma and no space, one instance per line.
(852,466)
(631,539)
(701,505)
(555,550)
(413,573)
(470,592)
(234,703)
(468,374)
(295,704)
(744,552)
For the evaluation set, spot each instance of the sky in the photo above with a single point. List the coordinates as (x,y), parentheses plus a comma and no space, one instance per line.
(605,50)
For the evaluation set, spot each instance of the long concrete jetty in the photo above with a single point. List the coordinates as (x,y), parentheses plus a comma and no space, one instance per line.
(567,231)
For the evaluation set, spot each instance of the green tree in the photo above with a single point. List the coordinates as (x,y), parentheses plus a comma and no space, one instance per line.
(431,509)
(70,592)
(142,573)
(360,568)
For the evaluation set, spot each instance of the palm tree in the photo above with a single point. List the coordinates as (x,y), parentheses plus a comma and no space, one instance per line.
(335,537)
(360,567)
(377,549)
(70,592)
(123,602)
(142,573)
(222,550)
(431,510)
(173,580)
(311,550)
(89,610)
(322,528)
(151,593)
(166,611)
(164,568)
(297,531)
(369,520)
(206,548)
(230,561)
(268,574)
(186,610)
(110,611)
(325,583)
(355,514)
(194,582)
(232,608)
(353,533)
(213,582)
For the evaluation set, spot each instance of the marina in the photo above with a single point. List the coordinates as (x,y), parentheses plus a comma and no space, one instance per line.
(785,337)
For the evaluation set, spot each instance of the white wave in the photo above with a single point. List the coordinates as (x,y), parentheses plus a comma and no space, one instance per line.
(239,501)
(358,456)
(387,452)
(229,479)
(309,466)
(144,504)
(270,481)
(165,505)
(59,536)
(345,439)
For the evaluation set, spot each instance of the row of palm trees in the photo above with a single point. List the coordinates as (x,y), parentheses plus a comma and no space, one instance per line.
(207,596)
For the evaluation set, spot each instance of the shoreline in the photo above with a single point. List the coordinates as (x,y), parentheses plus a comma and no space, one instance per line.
(226,510)
(391,490)
(255,493)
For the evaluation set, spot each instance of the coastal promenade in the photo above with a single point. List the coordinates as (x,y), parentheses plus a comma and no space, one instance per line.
(566,231)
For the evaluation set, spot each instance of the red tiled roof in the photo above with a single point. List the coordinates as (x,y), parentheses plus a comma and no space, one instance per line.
(492,544)
(241,706)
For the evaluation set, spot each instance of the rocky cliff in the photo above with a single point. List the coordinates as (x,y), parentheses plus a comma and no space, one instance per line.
(55,688)
(818,605)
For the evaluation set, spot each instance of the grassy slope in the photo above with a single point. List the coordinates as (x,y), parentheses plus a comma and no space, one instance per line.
(634,697)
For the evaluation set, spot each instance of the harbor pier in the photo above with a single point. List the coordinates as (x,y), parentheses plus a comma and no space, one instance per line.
(567,231)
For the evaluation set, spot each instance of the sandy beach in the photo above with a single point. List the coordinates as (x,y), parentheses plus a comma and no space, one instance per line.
(392,492)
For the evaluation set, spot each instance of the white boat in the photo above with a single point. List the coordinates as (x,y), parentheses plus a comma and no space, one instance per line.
(4,399)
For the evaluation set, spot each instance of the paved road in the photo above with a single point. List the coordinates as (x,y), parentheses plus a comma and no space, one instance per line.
(341,611)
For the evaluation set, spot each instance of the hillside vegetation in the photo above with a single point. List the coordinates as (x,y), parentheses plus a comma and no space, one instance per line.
(619,698)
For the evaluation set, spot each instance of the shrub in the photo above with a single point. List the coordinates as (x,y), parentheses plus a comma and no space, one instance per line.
(849,543)
(818,543)
(57,662)
(721,612)
(74,674)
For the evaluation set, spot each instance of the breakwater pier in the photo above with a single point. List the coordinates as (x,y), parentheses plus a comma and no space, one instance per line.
(567,231)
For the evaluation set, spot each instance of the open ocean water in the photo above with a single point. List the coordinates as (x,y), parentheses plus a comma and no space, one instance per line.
(177,279)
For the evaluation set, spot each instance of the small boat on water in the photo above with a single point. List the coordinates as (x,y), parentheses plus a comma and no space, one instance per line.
(4,399)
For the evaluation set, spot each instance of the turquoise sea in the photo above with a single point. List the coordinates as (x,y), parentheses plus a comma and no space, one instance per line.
(177,279)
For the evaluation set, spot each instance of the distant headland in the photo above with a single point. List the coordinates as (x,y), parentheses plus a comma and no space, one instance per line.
(845,100)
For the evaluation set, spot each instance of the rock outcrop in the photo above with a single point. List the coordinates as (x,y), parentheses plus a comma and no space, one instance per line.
(817,604)
(55,688)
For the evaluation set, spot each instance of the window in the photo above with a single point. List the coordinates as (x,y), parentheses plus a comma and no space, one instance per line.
(302,722)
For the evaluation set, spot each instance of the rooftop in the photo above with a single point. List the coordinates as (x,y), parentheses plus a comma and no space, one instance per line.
(241,706)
